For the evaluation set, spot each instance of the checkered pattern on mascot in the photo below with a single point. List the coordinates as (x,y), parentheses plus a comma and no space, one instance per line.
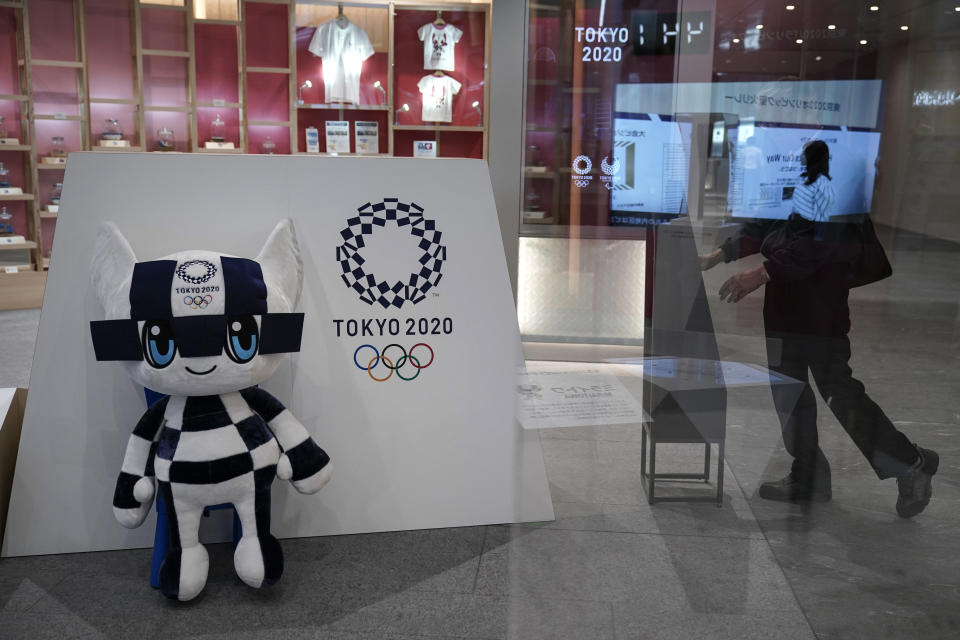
(205,328)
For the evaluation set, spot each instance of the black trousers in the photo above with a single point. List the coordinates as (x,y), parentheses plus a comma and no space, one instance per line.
(888,451)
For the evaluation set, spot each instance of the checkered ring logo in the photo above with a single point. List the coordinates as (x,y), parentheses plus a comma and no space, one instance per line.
(393,291)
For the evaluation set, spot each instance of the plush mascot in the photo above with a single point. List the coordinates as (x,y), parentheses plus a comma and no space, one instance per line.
(205,329)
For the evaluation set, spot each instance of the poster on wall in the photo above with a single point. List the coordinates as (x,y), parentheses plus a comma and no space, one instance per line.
(338,136)
(366,137)
(404,283)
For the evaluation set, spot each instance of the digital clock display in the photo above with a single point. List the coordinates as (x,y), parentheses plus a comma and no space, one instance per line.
(656,33)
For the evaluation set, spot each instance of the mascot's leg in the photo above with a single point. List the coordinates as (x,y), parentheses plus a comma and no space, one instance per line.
(183,573)
(258,558)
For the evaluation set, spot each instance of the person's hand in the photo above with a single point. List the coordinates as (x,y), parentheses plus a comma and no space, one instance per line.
(710,260)
(738,286)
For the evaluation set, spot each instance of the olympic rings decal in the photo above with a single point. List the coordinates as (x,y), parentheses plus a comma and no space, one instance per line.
(393,365)
(198,302)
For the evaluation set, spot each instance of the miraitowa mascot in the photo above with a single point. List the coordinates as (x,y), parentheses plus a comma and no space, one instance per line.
(205,328)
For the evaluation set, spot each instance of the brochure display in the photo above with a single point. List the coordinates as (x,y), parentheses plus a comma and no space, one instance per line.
(399,291)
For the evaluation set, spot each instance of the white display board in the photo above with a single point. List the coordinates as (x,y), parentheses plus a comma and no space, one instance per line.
(441,450)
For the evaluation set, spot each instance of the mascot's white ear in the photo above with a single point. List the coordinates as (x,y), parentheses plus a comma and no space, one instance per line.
(282,266)
(112,270)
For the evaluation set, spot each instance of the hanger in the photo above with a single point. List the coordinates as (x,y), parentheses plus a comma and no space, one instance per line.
(439,21)
(438,73)
(341,19)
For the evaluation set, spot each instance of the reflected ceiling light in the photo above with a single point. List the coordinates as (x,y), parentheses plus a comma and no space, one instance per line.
(874,7)
(904,27)
(799,40)
(863,42)
(819,58)
(736,41)
(759,26)
(831,27)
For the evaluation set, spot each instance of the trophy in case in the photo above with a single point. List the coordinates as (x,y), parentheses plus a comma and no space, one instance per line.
(268,146)
(58,153)
(218,135)
(6,229)
(165,139)
(6,189)
(532,205)
(112,135)
(55,193)
(4,140)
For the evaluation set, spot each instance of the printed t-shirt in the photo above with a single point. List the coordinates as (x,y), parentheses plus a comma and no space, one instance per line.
(438,45)
(438,92)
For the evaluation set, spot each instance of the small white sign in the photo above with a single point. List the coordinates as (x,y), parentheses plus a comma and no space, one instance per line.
(338,136)
(53,208)
(54,160)
(11,191)
(9,141)
(219,102)
(556,394)
(367,137)
(218,145)
(424,148)
(11,270)
(12,240)
(114,143)
(313,140)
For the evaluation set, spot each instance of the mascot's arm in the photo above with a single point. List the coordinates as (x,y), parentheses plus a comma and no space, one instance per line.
(135,485)
(302,462)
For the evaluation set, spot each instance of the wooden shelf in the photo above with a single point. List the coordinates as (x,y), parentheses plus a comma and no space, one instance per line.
(44,166)
(219,151)
(14,96)
(345,107)
(267,123)
(113,101)
(441,127)
(284,70)
(225,105)
(115,149)
(58,116)
(165,7)
(162,108)
(29,244)
(230,23)
(16,147)
(165,53)
(47,215)
(21,197)
(68,64)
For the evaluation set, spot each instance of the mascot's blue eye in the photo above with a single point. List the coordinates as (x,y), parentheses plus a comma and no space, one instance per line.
(159,346)
(243,338)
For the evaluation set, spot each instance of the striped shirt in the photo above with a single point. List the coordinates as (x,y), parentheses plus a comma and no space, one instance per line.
(814,201)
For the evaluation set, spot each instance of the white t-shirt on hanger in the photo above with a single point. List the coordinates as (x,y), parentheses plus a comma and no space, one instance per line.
(438,92)
(343,46)
(438,45)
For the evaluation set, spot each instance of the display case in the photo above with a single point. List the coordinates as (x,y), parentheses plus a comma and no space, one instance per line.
(226,76)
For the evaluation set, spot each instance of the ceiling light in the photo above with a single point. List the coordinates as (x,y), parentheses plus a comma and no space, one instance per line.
(863,42)
(904,27)
(799,40)
(874,7)
(736,40)
(831,26)
(790,7)
(819,58)
(759,26)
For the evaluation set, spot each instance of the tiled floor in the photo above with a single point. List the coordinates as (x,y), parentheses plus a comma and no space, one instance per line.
(610,566)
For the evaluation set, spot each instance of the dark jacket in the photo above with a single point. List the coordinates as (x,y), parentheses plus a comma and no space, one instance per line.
(809,264)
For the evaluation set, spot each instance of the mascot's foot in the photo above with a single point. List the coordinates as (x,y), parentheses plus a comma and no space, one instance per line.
(183,573)
(258,561)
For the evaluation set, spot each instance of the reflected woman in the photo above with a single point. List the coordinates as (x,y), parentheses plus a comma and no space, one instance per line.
(807,266)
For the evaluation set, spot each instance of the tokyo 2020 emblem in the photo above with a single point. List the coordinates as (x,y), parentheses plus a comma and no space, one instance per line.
(396,289)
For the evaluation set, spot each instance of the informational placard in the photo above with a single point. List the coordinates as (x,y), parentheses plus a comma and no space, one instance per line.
(424,149)
(338,136)
(366,137)
(312,139)
(552,395)
(402,268)
(650,168)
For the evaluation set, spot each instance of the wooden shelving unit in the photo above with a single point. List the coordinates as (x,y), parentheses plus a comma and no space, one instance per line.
(140,105)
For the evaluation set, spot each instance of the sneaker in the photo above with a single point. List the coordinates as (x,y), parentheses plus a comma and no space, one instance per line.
(916,487)
(789,489)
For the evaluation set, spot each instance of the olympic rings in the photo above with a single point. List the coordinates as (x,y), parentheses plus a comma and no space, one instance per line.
(198,302)
(381,356)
